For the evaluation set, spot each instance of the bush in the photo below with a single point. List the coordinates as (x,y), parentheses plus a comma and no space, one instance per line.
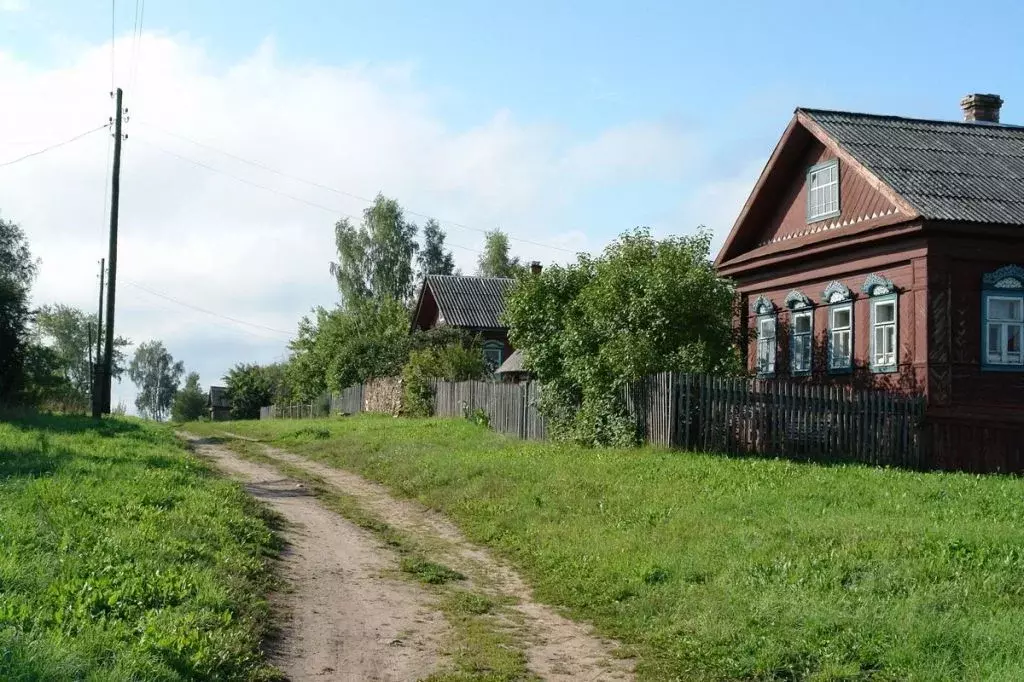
(451,362)
(190,402)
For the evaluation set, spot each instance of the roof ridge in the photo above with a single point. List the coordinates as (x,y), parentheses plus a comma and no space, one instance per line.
(971,125)
(509,279)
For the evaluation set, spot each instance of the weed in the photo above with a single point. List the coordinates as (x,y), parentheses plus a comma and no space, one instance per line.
(429,572)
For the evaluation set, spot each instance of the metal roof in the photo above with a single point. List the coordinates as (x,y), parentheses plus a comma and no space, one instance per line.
(512,364)
(971,172)
(472,302)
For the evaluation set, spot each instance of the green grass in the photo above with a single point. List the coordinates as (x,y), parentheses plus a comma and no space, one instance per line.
(716,568)
(122,557)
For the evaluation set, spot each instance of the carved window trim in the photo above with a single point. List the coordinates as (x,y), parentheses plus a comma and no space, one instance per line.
(1005,284)
(836,292)
(877,285)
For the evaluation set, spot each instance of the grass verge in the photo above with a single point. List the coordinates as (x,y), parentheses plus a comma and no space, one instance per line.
(122,557)
(717,568)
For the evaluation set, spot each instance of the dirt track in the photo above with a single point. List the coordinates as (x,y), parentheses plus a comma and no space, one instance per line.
(347,615)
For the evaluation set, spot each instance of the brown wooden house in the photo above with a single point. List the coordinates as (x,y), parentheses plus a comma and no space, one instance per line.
(888,252)
(475,304)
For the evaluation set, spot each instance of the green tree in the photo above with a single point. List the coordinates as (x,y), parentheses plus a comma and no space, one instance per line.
(459,360)
(190,402)
(433,259)
(495,261)
(249,387)
(157,376)
(347,346)
(375,260)
(65,329)
(17,272)
(644,306)
(45,384)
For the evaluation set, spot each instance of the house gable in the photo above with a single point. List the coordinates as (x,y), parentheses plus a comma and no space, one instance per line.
(775,218)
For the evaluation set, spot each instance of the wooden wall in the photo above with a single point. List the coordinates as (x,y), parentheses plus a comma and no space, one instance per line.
(905,266)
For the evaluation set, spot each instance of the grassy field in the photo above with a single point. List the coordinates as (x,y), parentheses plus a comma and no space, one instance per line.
(123,558)
(716,568)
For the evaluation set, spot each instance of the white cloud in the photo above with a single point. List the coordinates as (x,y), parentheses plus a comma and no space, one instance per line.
(11,5)
(209,240)
(717,202)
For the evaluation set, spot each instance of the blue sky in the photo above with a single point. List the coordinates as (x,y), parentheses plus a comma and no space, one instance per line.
(562,122)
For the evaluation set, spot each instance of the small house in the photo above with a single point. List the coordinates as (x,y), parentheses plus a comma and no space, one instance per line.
(475,304)
(219,404)
(887,252)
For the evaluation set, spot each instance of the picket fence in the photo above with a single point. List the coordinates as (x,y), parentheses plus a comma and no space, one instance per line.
(773,418)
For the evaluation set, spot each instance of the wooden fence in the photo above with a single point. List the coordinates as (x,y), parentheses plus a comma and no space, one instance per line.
(770,418)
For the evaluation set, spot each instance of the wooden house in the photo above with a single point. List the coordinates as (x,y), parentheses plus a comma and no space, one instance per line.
(219,404)
(475,304)
(888,252)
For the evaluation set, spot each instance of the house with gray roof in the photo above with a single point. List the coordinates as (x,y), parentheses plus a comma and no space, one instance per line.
(888,252)
(475,304)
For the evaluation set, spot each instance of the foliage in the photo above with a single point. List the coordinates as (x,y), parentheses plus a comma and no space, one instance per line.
(45,384)
(190,402)
(66,330)
(433,259)
(121,558)
(459,361)
(249,387)
(495,261)
(157,376)
(712,568)
(348,346)
(644,306)
(17,272)
(375,261)
(478,416)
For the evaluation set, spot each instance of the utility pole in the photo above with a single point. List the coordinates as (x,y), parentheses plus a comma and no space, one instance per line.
(115,192)
(98,385)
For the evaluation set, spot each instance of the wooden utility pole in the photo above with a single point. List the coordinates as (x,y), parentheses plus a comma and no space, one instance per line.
(115,192)
(98,385)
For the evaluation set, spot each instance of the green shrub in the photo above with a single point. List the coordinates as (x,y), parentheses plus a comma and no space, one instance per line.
(451,362)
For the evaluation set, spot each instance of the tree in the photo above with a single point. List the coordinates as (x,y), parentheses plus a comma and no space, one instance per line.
(347,346)
(249,387)
(17,272)
(495,261)
(375,261)
(190,402)
(65,329)
(157,376)
(644,306)
(432,258)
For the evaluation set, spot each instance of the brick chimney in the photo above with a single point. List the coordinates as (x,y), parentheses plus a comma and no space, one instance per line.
(535,267)
(981,108)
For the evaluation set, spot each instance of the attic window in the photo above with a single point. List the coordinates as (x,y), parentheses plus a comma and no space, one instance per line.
(823,191)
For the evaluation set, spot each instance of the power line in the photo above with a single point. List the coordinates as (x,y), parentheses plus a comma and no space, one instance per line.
(204,310)
(328,188)
(140,16)
(212,169)
(54,146)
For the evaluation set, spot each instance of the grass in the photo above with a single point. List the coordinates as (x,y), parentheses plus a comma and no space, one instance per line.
(123,558)
(716,568)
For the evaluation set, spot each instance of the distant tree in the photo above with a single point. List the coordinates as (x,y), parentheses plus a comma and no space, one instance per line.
(249,387)
(433,259)
(17,272)
(156,374)
(45,383)
(495,261)
(65,329)
(190,402)
(375,260)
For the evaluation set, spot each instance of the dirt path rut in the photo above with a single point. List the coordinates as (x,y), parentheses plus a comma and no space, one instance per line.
(347,619)
(557,648)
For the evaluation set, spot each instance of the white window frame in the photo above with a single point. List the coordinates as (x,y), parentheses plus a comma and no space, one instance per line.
(808,337)
(823,191)
(833,332)
(1004,325)
(768,343)
(885,360)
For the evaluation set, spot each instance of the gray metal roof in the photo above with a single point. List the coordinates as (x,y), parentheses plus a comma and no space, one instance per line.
(512,364)
(473,302)
(972,172)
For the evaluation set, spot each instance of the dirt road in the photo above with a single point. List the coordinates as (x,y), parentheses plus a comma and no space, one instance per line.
(347,619)
(347,614)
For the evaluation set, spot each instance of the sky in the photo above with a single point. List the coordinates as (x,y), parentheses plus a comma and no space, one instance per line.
(254,126)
